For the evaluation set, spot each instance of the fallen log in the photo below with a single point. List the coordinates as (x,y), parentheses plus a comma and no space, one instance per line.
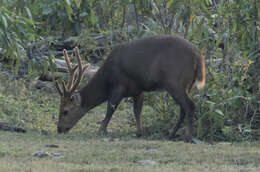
(11,127)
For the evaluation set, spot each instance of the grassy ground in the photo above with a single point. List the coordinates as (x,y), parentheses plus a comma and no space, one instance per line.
(83,150)
(88,152)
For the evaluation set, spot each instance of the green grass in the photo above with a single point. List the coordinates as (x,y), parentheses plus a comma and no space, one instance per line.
(88,152)
(85,151)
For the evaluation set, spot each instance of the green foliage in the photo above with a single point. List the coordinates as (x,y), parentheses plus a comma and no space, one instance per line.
(230,106)
(15,33)
(227,33)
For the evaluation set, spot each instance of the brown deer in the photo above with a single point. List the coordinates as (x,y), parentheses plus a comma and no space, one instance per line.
(150,64)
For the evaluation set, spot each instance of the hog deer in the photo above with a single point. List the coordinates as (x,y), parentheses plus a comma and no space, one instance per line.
(150,64)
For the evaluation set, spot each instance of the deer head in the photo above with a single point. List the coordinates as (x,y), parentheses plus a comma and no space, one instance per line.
(70,99)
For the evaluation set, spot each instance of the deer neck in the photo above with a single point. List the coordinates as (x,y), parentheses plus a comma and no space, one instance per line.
(95,92)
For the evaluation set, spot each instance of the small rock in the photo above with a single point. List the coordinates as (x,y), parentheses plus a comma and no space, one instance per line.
(134,135)
(224,143)
(41,154)
(61,64)
(107,139)
(11,127)
(52,146)
(111,139)
(54,117)
(47,86)
(57,155)
(147,162)
(197,141)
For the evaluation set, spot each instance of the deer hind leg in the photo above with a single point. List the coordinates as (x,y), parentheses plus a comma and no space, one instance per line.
(173,131)
(187,108)
(112,103)
(138,104)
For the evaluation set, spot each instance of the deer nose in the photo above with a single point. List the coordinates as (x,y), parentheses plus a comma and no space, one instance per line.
(62,130)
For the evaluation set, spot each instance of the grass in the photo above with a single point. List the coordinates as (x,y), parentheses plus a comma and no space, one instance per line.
(85,151)
(89,152)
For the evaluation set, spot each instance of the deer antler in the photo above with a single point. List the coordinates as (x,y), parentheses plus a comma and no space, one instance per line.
(74,75)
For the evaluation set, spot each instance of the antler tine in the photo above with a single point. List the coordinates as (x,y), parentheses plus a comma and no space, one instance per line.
(71,71)
(66,90)
(58,87)
(85,67)
(67,59)
(63,90)
(81,70)
(78,58)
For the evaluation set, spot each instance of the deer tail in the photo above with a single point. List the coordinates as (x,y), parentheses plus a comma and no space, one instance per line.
(201,73)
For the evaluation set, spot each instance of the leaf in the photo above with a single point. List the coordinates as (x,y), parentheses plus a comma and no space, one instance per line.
(78,3)
(4,22)
(226,129)
(191,20)
(28,11)
(83,14)
(68,2)
(169,3)
(92,17)
(218,111)
(68,8)
(205,31)
(208,2)
(210,102)
(47,11)
(45,66)
(126,2)
(203,5)
(8,18)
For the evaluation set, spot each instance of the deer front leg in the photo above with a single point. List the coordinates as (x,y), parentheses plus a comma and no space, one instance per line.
(110,110)
(138,104)
(112,104)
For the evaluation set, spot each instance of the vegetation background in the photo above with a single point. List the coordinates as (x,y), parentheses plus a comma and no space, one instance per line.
(33,33)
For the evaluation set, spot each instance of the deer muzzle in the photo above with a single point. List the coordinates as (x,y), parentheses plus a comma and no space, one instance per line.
(62,130)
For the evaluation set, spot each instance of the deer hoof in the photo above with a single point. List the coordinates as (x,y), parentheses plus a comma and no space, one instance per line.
(172,135)
(102,132)
(139,134)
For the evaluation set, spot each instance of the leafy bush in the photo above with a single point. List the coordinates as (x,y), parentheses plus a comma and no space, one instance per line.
(15,33)
(227,33)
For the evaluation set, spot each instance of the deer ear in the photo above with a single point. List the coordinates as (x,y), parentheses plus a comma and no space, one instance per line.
(77,98)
